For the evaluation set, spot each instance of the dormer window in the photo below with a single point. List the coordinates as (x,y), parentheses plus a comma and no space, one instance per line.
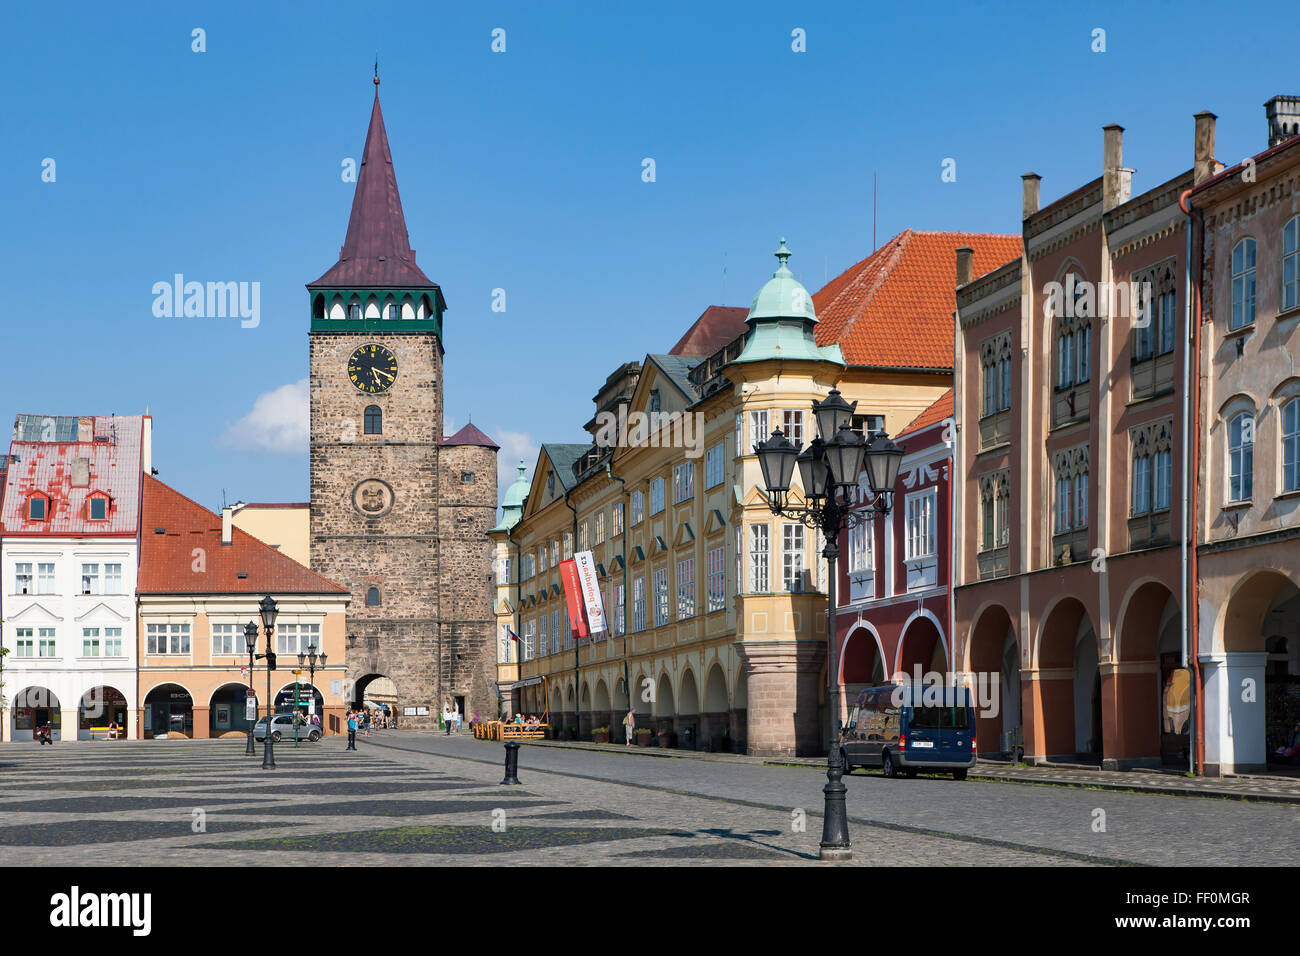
(97,508)
(654,400)
(38,508)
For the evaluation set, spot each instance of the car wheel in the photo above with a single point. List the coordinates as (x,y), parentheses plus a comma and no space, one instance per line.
(314,736)
(275,737)
(959,775)
(887,765)
(844,759)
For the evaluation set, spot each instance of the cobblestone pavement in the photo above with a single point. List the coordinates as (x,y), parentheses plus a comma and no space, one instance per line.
(409,798)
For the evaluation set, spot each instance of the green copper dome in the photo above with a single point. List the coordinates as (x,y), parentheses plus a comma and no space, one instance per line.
(512,506)
(782,296)
(781,322)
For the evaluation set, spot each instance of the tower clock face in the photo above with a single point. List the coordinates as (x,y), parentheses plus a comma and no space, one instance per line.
(372,368)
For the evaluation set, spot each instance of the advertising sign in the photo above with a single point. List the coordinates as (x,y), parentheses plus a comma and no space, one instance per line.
(250,707)
(573,597)
(587,580)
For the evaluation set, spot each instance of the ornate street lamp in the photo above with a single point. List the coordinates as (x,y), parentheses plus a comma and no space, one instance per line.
(309,660)
(269,610)
(828,469)
(250,639)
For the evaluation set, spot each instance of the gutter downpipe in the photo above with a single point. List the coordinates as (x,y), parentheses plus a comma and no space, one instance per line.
(627,682)
(577,676)
(1191,458)
(519,599)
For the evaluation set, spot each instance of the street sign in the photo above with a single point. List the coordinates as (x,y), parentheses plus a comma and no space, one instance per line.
(250,708)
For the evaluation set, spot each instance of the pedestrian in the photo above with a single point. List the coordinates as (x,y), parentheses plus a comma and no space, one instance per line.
(628,723)
(352,730)
(446,720)
(112,730)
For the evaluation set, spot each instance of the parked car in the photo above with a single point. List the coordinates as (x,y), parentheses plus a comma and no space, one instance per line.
(905,728)
(283,727)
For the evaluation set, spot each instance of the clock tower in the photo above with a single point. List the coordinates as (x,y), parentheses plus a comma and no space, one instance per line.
(376,372)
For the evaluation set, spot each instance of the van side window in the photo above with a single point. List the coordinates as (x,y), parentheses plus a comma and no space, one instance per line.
(925,718)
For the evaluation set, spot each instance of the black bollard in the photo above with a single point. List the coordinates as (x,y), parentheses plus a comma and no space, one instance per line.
(512,762)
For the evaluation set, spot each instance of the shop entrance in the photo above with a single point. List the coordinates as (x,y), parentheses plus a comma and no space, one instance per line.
(168,712)
(102,714)
(36,707)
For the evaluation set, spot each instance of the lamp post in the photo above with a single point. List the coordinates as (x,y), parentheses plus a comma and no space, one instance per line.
(268,609)
(250,639)
(309,659)
(828,469)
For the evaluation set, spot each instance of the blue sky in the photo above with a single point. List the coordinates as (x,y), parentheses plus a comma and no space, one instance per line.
(522,170)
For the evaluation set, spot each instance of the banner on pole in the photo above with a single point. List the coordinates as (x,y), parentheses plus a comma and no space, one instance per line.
(573,597)
(590,584)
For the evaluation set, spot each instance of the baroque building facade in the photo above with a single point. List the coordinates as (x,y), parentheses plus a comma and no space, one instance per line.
(398,512)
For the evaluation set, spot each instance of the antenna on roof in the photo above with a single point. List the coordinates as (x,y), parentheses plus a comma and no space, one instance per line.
(724,276)
(874,174)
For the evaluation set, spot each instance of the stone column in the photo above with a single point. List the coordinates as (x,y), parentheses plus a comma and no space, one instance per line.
(783,689)
(201,723)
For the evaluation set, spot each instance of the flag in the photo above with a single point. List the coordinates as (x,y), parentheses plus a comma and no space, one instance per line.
(513,635)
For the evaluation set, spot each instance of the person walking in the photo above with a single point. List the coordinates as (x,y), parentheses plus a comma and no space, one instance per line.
(446,719)
(629,722)
(352,730)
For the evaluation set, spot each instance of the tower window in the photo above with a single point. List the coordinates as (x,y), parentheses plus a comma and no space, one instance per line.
(354,309)
(394,310)
(374,420)
(372,597)
(467,477)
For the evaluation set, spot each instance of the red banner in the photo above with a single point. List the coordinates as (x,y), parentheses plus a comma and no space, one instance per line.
(573,597)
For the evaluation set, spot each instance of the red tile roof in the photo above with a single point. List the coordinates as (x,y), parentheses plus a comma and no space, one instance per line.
(942,409)
(894,308)
(115,465)
(469,435)
(716,327)
(167,560)
(377,250)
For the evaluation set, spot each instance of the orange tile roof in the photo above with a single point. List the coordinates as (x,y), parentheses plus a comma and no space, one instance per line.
(894,308)
(167,560)
(940,410)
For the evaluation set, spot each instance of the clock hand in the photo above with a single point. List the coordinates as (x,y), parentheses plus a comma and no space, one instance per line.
(383,373)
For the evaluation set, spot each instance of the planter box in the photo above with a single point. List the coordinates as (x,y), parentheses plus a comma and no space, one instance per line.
(643,740)
(667,739)
(600,737)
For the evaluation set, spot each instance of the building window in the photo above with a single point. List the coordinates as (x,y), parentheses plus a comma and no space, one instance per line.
(1243,284)
(860,559)
(374,420)
(90,642)
(620,611)
(23,578)
(683,482)
(740,431)
(555,552)
(167,639)
(113,579)
(638,604)
(1071,469)
(541,559)
(757,429)
(1065,359)
(37,508)
(994,530)
(45,646)
(23,643)
(503,652)
(638,507)
(661,597)
(920,524)
(685,588)
(372,597)
(792,556)
(1141,485)
(530,640)
(228,639)
(986,523)
(616,519)
(354,308)
(1241,456)
(98,508)
(292,638)
(568,545)
(45,578)
(868,426)
(1165,305)
(394,310)
(656,495)
(112,642)
(90,581)
(582,536)
(556,645)
(655,404)
(1291,264)
(717,599)
(1291,442)
(758,552)
(713,470)
(1164,479)
(600,526)
(792,423)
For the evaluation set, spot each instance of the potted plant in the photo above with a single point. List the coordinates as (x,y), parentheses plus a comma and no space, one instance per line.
(667,738)
(600,735)
(643,736)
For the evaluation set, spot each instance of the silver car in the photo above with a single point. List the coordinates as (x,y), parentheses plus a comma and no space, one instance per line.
(283,727)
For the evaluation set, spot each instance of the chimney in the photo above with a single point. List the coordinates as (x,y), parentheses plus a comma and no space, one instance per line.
(1283,114)
(965,265)
(80,473)
(1115,178)
(85,429)
(1203,148)
(1029,191)
(227,524)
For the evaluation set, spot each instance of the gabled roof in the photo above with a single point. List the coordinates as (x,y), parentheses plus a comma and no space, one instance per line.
(168,564)
(114,456)
(716,326)
(469,435)
(377,250)
(562,457)
(940,411)
(676,369)
(894,308)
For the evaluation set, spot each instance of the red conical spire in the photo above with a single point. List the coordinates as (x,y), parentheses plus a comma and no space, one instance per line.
(377,250)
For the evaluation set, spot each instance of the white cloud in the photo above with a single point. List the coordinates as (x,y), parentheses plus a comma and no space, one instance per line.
(278,423)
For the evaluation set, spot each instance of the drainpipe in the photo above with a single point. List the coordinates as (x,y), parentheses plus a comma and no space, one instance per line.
(518,615)
(577,680)
(1191,489)
(627,683)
